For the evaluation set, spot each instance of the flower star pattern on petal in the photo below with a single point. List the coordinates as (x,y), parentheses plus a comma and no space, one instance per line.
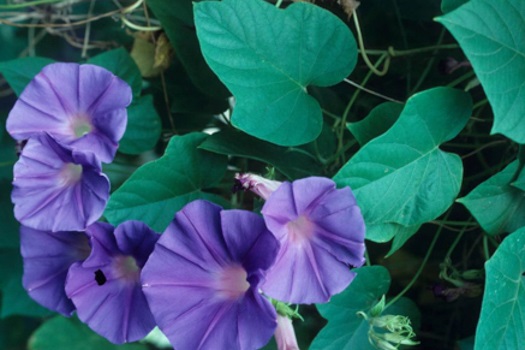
(82,106)
(321,232)
(202,280)
(105,288)
(47,258)
(57,189)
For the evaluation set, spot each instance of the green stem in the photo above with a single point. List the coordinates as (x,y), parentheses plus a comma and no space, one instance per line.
(419,271)
(461,79)
(400,53)
(486,251)
(458,223)
(349,106)
(372,67)
(429,65)
(28,4)
(457,239)
(278,3)
(331,115)
(480,103)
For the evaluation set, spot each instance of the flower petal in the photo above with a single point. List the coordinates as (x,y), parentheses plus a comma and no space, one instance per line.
(321,232)
(82,106)
(47,258)
(182,280)
(306,275)
(49,195)
(116,310)
(248,239)
(46,103)
(106,287)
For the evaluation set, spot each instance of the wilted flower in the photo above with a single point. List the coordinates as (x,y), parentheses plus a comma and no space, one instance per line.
(321,232)
(56,188)
(83,106)
(106,289)
(202,279)
(388,332)
(47,258)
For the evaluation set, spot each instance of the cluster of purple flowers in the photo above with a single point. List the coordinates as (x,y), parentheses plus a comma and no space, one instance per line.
(208,280)
(70,118)
(212,272)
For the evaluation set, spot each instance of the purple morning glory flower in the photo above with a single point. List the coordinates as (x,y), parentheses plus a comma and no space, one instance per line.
(202,280)
(47,258)
(321,232)
(83,106)
(56,188)
(106,289)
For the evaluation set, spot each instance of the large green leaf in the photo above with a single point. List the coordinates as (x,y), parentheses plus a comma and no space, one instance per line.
(402,176)
(345,329)
(267,57)
(60,333)
(158,189)
(120,63)
(496,205)
(291,162)
(490,34)
(143,129)
(502,320)
(21,71)
(379,120)
(177,21)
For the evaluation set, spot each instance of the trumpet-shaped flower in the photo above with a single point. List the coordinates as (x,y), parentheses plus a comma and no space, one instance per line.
(321,232)
(105,288)
(47,258)
(202,280)
(56,188)
(82,106)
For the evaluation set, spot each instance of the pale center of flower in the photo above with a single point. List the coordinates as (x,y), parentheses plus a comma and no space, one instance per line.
(126,268)
(70,174)
(232,282)
(81,125)
(300,230)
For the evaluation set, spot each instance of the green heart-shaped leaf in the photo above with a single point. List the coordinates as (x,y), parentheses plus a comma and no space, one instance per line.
(379,120)
(496,205)
(402,176)
(267,57)
(502,319)
(489,32)
(160,188)
(143,129)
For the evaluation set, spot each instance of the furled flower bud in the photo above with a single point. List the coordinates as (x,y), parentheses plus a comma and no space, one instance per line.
(257,184)
(285,334)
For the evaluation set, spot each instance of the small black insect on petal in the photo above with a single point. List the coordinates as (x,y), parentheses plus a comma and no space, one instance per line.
(100,277)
